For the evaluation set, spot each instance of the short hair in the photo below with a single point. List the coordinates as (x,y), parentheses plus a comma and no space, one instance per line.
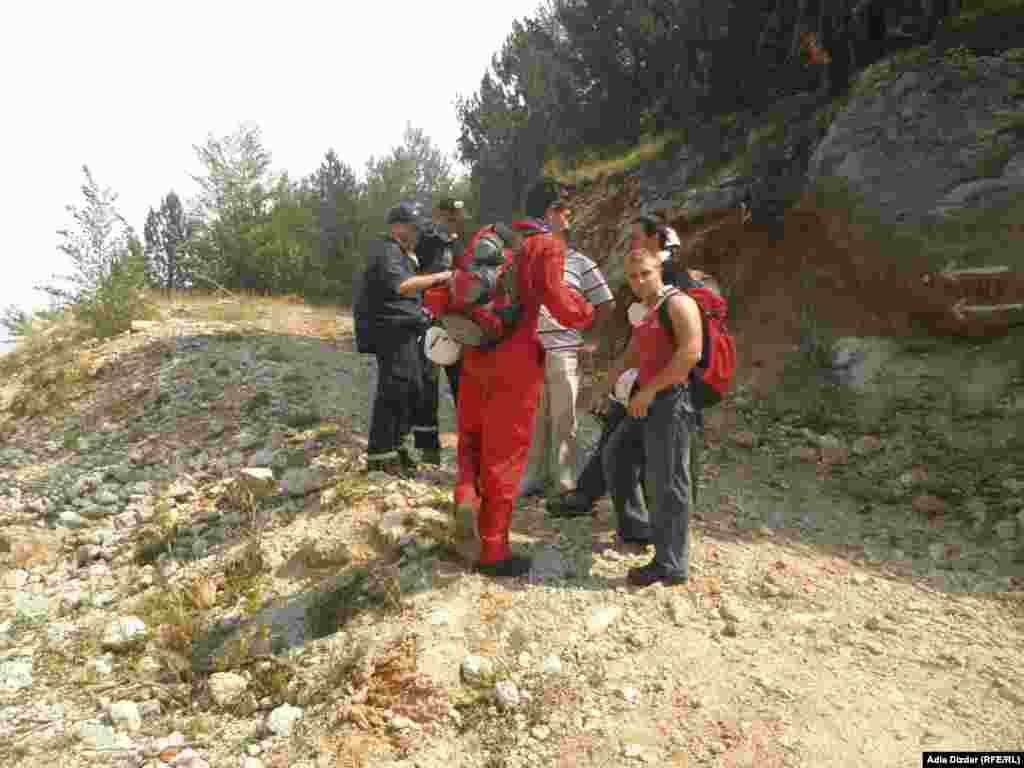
(542,195)
(639,254)
(648,222)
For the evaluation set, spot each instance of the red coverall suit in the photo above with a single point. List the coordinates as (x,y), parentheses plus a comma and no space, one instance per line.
(500,390)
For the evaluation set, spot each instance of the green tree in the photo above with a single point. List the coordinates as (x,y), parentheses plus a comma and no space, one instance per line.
(167,235)
(105,287)
(234,201)
(337,196)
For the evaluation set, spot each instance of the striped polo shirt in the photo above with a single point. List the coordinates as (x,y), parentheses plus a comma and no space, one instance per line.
(583,275)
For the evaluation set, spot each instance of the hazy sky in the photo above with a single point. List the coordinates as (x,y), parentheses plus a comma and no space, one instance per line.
(129,87)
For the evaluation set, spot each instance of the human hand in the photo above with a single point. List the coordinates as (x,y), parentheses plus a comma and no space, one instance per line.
(640,402)
(590,348)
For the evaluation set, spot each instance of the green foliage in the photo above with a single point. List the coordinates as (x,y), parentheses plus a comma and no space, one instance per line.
(966,238)
(105,288)
(973,11)
(964,60)
(994,161)
(260,231)
(16,321)
(167,235)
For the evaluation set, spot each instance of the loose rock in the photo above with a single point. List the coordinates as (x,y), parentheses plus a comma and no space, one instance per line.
(227,687)
(281,721)
(124,633)
(601,618)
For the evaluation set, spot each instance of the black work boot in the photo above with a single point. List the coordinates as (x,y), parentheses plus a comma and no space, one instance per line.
(652,573)
(571,504)
(510,568)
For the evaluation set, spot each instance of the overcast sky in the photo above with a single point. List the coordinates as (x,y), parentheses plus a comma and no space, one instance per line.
(129,87)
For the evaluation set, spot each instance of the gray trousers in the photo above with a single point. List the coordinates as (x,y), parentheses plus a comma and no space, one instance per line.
(665,463)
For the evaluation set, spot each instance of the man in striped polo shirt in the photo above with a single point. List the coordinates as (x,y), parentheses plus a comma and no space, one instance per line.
(552,458)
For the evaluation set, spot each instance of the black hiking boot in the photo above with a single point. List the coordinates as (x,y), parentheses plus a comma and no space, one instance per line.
(509,568)
(652,573)
(571,504)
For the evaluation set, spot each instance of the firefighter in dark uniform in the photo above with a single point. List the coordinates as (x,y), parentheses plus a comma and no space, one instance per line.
(394,294)
(440,247)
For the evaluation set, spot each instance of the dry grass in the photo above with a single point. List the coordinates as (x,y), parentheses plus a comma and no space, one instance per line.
(253,312)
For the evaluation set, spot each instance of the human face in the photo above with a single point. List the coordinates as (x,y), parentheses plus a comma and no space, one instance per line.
(643,271)
(456,221)
(558,217)
(407,234)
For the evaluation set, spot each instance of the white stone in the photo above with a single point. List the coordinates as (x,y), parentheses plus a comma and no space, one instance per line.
(507,694)
(189,758)
(16,579)
(630,694)
(124,633)
(226,687)
(476,669)
(602,617)
(552,665)
(281,721)
(16,674)
(126,714)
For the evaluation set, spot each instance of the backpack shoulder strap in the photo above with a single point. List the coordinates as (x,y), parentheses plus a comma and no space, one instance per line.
(663,315)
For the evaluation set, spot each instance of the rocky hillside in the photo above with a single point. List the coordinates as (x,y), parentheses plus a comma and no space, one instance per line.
(196,572)
(855,209)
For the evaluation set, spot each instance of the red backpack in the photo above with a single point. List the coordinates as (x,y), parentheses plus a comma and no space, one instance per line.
(713,375)
(482,306)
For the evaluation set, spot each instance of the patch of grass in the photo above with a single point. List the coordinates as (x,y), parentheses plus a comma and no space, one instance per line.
(966,238)
(355,593)
(1010,121)
(49,369)
(994,162)
(964,60)
(773,131)
(246,579)
(613,161)
(973,11)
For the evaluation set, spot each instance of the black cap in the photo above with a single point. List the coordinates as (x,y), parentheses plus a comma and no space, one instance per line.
(405,212)
(451,204)
(545,193)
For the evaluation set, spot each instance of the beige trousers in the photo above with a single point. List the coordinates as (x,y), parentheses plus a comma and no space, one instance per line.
(553,449)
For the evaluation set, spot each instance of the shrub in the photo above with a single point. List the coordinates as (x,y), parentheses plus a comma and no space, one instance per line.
(105,289)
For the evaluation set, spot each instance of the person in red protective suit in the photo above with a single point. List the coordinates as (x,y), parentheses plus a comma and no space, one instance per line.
(500,390)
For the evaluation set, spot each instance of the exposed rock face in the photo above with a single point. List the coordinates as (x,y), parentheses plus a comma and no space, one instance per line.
(930,139)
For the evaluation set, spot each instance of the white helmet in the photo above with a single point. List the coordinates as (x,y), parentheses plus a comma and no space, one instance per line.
(624,386)
(440,347)
(671,238)
(637,312)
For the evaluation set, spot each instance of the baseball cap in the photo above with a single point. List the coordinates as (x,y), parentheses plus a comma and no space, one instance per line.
(405,212)
(451,204)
